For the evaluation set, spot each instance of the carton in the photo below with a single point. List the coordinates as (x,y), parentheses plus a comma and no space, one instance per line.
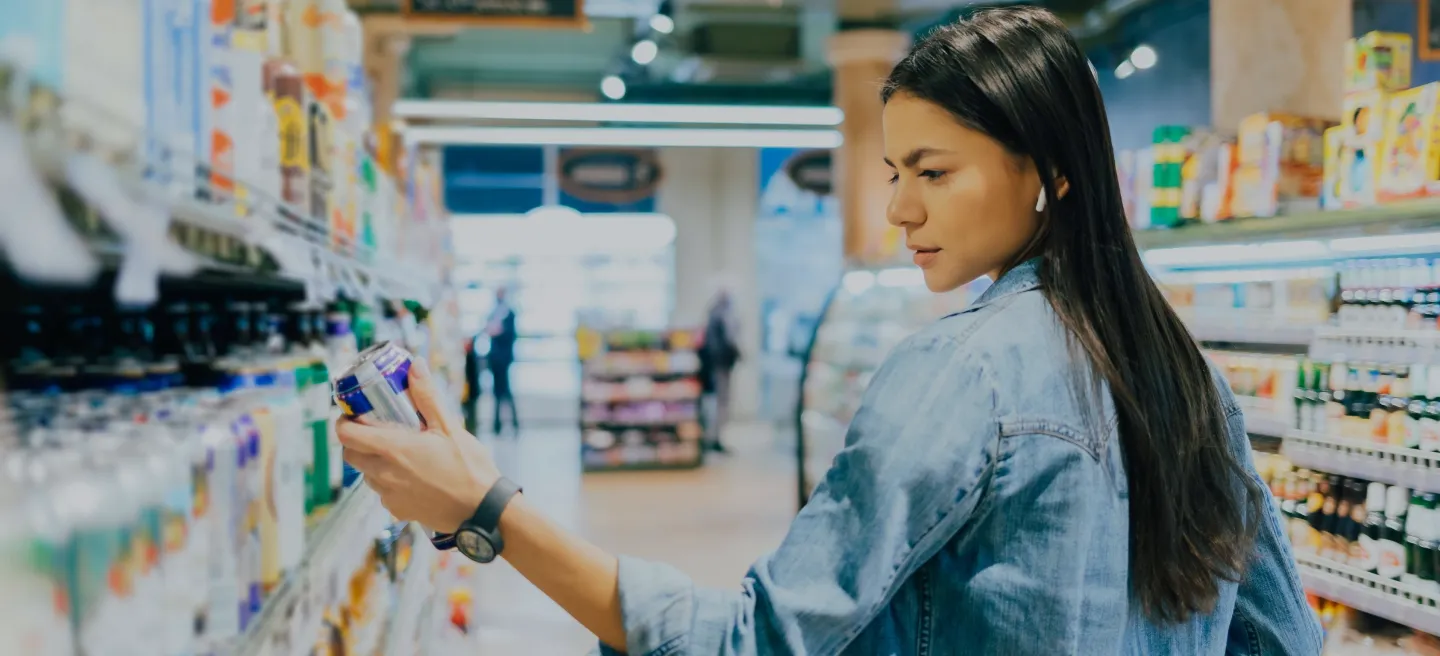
(1410,156)
(1282,163)
(1378,61)
(1359,153)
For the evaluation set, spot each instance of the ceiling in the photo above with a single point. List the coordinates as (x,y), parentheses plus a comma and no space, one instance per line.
(727,51)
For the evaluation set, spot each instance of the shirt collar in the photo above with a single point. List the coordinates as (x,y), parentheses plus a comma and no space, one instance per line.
(1022,277)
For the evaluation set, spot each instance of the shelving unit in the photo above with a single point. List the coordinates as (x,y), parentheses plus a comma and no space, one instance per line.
(1411,468)
(640,400)
(1392,600)
(1397,218)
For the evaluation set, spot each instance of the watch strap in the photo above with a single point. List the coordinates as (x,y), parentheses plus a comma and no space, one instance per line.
(443,541)
(487,515)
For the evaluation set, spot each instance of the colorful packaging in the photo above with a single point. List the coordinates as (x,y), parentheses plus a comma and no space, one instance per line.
(223,110)
(1170,145)
(287,92)
(1410,158)
(1330,193)
(1282,163)
(1378,61)
(1217,192)
(1359,155)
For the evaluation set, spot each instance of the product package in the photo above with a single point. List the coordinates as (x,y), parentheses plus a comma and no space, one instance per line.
(1410,158)
(1331,192)
(1378,61)
(1281,163)
(1171,150)
(1363,125)
(1207,179)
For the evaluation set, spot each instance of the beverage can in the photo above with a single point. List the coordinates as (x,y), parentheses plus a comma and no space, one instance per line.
(377,387)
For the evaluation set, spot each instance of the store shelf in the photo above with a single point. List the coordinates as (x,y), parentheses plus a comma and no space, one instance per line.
(1386,219)
(1392,600)
(1250,333)
(642,425)
(1411,468)
(337,541)
(1265,426)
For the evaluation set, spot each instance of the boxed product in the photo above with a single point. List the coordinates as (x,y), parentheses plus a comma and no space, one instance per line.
(1410,158)
(1207,179)
(1359,155)
(1378,61)
(1330,193)
(1282,163)
(1171,149)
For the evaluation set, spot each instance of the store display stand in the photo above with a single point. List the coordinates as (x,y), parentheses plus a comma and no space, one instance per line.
(640,401)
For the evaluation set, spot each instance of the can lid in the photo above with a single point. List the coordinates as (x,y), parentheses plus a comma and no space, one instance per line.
(372,364)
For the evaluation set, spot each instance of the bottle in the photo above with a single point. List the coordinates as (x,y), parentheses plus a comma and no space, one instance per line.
(1378,400)
(1368,556)
(1393,552)
(1414,424)
(1356,491)
(1320,390)
(1304,396)
(1398,418)
(1425,545)
(1344,526)
(1329,489)
(1335,408)
(1417,525)
(1300,532)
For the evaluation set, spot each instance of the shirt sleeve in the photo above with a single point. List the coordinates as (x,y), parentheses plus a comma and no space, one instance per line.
(918,456)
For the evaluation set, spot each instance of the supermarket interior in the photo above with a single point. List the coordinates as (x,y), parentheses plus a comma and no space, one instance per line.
(643,247)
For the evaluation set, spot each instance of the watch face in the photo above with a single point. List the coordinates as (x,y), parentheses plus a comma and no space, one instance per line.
(474,546)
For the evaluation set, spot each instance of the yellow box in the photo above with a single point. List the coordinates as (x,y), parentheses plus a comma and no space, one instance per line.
(1378,61)
(1410,154)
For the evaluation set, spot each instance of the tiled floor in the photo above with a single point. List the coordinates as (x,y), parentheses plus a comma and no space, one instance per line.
(711,523)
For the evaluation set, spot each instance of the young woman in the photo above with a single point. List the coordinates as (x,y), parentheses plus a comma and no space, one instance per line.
(1054,470)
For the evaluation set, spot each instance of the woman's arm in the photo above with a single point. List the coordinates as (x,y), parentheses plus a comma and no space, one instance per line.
(916,460)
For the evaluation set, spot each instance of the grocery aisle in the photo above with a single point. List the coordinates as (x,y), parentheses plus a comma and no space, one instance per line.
(710,522)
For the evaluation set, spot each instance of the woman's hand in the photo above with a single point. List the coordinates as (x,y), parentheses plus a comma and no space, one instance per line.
(437,476)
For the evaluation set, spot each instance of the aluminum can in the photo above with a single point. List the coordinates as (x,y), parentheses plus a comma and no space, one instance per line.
(377,387)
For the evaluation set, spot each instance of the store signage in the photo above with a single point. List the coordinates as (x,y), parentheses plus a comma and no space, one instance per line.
(810,170)
(499,12)
(616,177)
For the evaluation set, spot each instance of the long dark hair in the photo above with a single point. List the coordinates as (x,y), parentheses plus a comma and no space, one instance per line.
(1017,75)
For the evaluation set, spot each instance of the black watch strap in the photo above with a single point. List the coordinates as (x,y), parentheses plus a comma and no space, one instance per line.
(487,515)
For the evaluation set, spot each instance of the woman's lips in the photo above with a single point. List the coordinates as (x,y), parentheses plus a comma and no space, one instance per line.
(924,259)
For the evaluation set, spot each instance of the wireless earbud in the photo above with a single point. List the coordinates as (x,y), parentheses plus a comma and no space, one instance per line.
(1040,202)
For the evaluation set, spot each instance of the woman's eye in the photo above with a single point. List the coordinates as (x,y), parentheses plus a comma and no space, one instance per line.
(894,177)
(932,174)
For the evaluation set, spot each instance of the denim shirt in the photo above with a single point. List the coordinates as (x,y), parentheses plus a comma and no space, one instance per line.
(971,511)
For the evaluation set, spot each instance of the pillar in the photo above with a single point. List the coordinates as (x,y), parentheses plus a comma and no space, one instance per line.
(861,60)
(1277,55)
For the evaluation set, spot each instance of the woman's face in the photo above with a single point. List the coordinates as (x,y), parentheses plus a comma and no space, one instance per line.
(967,206)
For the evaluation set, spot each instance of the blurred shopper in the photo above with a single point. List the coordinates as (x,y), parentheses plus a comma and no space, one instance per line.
(718,355)
(501,329)
(1054,470)
(471,403)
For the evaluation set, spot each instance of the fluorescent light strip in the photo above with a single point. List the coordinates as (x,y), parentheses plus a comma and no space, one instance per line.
(465,110)
(635,137)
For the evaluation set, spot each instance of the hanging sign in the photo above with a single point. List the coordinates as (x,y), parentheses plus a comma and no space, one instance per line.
(504,13)
(616,177)
(810,170)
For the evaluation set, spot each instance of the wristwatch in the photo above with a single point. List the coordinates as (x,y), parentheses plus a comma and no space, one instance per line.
(478,538)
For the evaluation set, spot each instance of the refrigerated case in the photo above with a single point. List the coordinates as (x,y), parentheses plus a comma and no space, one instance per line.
(866,315)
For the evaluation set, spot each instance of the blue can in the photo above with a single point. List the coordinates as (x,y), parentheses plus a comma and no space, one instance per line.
(377,387)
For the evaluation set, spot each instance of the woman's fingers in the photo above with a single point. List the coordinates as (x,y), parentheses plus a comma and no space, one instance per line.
(427,398)
(362,438)
(365,463)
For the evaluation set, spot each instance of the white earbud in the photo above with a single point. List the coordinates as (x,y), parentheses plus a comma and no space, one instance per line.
(1040,202)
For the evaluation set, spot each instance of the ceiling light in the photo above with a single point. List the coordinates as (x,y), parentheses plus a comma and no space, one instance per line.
(627,137)
(469,110)
(662,23)
(1144,57)
(613,87)
(1124,70)
(643,52)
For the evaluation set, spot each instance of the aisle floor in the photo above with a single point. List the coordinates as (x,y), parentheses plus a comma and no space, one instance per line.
(711,523)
